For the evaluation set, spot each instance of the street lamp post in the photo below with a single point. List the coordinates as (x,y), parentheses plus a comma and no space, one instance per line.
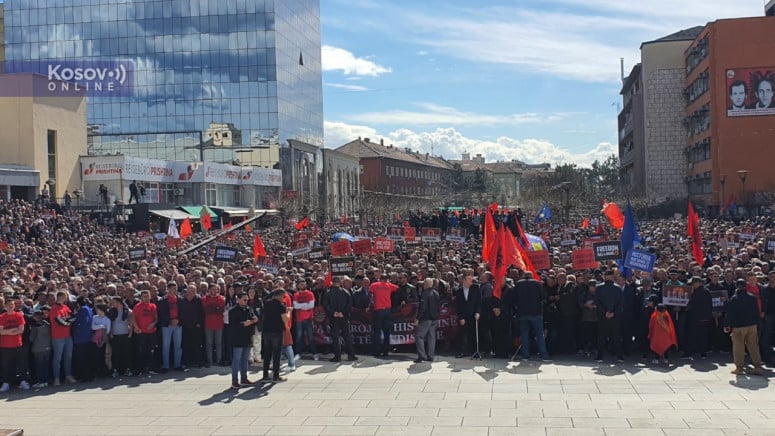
(722,179)
(566,187)
(743,174)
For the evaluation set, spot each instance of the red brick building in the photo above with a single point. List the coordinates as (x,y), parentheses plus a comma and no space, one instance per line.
(730,114)
(386,169)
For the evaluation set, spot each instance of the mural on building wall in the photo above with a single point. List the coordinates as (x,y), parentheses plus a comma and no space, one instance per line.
(750,91)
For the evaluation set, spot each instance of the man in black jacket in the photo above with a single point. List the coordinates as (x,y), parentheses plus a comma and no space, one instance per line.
(608,300)
(529,300)
(700,315)
(338,302)
(741,320)
(275,318)
(468,300)
(426,322)
(242,326)
(192,318)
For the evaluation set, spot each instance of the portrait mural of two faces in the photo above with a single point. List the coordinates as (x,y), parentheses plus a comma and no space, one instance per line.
(750,91)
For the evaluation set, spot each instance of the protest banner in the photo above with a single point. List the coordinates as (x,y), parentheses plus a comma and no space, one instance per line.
(340,248)
(396,233)
(383,245)
(316,254)
(539,259)
(300,247)
(607,250)
(769,246)
(430,234)
(362,246)
(640,260)
(137,254)
(224,253)
(719,298)
(584,258)
(677,296)
(456,234)
(402,320)
(270,264)
(342,266)
(410,234)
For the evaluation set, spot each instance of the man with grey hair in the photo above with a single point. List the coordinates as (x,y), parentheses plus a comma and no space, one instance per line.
(426,322)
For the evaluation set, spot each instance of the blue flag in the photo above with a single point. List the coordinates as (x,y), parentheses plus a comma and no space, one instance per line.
(629,236)
(544,214)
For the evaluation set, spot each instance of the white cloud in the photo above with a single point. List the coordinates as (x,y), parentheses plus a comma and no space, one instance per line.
(450,144)
(568,39)
(432,115)
(339,59)
(346,87)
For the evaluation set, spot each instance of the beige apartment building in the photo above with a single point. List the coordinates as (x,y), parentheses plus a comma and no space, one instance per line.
(41,138)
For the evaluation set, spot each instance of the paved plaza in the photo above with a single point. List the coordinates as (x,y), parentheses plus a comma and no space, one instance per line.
(395,396)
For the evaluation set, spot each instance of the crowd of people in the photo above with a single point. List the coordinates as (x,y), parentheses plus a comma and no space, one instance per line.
(75,308)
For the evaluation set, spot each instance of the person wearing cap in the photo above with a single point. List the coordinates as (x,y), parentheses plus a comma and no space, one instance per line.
(699,312)
(338,303)
(741,321)
(40,338)
(468,301)
(608,300)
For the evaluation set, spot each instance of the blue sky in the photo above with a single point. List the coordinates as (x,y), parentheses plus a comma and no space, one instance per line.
(535,80)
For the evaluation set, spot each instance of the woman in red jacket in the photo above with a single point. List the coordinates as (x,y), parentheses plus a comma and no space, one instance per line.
(661,333)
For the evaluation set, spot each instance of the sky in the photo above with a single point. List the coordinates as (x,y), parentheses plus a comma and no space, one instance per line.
(533,80)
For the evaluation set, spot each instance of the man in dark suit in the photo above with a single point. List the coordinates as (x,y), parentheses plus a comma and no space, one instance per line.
(608,300)
(468,301)
(338,302)
(529,301)
(700,315)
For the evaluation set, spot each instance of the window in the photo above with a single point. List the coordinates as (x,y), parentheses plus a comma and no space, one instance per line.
(166,193)
(151,192)
(211,194)
(52,154)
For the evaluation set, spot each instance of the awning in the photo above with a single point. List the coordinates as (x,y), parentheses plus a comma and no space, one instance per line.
(241,211)
(233,211)
(197,210)
(19,177)
(173,214)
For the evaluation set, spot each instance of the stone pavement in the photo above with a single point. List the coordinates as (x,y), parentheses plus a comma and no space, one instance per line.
(395,396)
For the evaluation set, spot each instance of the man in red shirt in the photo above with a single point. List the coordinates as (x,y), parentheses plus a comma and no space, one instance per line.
(303,308)
(382,319)
(60,318)
(145,317)
(213,305)
(11,329)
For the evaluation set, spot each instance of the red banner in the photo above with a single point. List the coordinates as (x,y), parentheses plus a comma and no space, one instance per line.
(3,245)
(539,259)
(410,234)
(403,325)
(340,248)
(584,258)
(362,246)
(174,242)
(382,245)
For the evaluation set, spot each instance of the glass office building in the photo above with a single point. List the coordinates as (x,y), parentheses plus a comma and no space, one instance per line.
(252,65)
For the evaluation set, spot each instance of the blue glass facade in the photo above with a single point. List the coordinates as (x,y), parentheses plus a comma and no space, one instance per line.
(252,63)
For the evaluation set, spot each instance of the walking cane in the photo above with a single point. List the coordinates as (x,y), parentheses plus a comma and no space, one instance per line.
(477,355)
